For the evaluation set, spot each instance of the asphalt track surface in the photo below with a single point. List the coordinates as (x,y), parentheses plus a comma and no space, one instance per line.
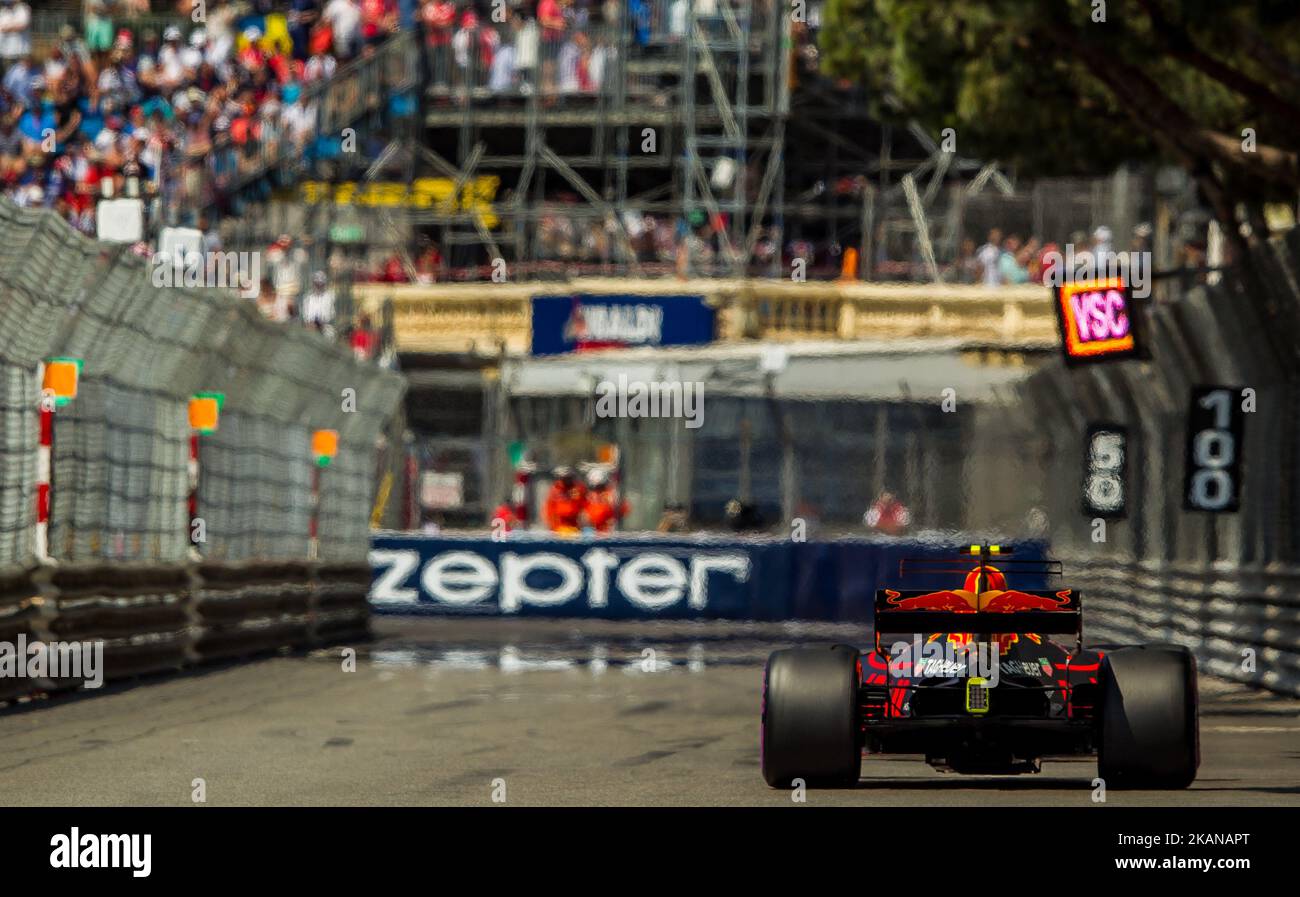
(443,711)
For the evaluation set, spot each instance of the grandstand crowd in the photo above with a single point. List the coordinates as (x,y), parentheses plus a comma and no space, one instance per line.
(182,113)
(122,110)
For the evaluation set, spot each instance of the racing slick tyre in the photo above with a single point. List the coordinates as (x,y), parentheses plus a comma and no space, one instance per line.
(810,717)
(1150,737)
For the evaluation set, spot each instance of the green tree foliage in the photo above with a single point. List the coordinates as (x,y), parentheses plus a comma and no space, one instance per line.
(1079,86)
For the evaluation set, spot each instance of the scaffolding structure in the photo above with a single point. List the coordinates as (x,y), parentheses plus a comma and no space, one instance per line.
(672,130)
(710,145)
(689,117)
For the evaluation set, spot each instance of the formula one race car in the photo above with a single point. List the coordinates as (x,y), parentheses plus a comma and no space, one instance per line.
(969,678)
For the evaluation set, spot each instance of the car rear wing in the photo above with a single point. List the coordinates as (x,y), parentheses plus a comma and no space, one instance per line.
(1046,612)
(960,566)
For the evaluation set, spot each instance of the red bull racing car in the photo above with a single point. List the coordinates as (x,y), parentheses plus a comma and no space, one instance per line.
(973,679)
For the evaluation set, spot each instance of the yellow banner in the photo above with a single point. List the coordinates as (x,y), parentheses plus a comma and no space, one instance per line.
(476,196)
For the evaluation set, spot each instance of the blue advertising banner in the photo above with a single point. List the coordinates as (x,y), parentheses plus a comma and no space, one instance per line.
(648,576)
(584,321)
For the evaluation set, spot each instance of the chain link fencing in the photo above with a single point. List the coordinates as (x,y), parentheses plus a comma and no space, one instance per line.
(127,561)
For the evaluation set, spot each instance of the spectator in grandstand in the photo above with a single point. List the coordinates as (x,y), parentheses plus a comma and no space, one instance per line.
(11,150)
(266,303)
(639,16)
(801,250)
(364,340)
(274,26)
(69,57)
(988,256)
(439,20)
(117,84)
(527,41)
(1010,268)
(765,249)
(194,54)
(503,77)
(318,305)
(252,56)
(320,66)
(1101,242)
(302,17)
(1029,259)
(550,16)
(221,32)
(678,13)
(378,20)
(550,21)
(1141,238)
(171,70)
(806,54)
(580,65)
(1043,272)
(1192,257)
(344,20)
(22,80)
(967,266)
(99,26)
(408,14)
(15,31)
(286,264)
(473,47)
(391,270)
(269,125)
(298,120)
(571,63)
(110,140)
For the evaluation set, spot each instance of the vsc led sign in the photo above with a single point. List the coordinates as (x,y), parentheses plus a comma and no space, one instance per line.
(1097,320)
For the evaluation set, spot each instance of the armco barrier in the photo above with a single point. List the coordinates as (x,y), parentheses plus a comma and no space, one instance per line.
(153,619)
(649,576)
(1242,624)
(19,613)
(140,612)
(95,518)
(257,605)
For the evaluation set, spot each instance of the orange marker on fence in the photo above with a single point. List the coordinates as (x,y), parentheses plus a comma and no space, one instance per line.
(325,446)
(59,379)
(205,411)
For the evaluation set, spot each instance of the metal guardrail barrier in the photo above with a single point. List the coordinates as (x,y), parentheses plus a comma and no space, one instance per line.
(157,618)
(278,545)
(1243,623)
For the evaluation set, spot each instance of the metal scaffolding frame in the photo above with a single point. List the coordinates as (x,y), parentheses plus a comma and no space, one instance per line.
(716,92)
(713,101)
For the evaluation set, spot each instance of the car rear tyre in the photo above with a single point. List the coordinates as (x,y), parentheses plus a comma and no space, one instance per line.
(810,717)
(1150,737)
